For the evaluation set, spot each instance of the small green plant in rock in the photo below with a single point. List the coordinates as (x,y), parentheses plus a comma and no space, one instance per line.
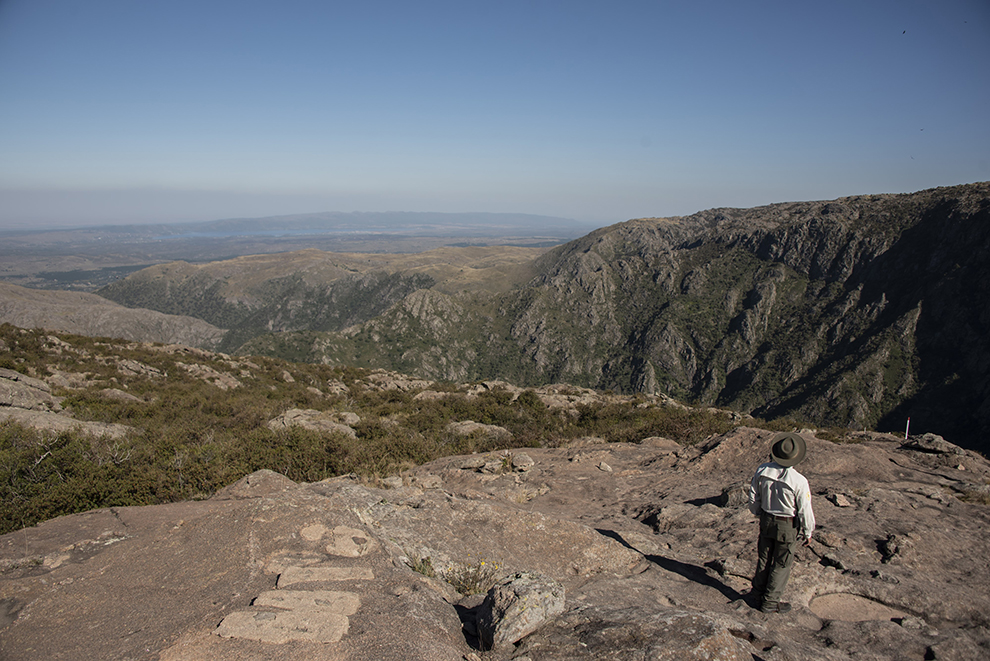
(978,496)
(423,566)
(476,578)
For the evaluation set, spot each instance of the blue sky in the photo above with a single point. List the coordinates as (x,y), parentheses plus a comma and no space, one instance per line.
(119,111)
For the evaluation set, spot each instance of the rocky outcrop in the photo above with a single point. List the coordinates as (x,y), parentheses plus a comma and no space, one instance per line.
(493,433)
(28,401)
(56,423)
(517,606)
(320,421)
(220,379)
(24,392)
(270,568)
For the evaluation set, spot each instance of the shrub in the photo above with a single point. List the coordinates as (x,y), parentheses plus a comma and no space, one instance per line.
(475,578)
(423,566)
(979,496)
(629,424)
(193,438)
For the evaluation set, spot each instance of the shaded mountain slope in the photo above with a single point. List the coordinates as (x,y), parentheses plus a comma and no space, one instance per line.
(860,311)
(89,314)
(310,289)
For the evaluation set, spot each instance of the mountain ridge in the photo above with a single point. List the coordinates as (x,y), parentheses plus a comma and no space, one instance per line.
(88,314)
(860,311)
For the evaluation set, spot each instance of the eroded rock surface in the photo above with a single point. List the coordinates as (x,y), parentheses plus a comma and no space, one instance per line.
(28,401)
(516,607)
(24,392)
(653,559)
(317,421)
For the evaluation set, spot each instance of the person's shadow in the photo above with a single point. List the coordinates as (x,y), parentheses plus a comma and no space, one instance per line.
(691,572)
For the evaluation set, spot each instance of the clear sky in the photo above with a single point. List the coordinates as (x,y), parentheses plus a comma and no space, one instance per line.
(119,111)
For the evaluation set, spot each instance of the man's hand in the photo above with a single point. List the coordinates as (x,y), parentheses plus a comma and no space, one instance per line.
(807,541)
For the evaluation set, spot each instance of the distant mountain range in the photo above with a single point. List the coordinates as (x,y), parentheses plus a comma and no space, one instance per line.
(87,258)
(392,222)
(486,227)
(861,311)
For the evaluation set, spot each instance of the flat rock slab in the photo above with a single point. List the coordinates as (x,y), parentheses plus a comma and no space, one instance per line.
(349,542)
(296,575)
(322,601)
(852,608)
(319,616)
(58,423)
(637,635)
(196,581)
(652,567)
(267,627)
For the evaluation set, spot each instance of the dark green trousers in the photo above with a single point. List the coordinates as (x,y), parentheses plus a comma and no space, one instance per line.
(776,546)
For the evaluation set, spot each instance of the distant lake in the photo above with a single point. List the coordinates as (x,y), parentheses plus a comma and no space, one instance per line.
(232,233)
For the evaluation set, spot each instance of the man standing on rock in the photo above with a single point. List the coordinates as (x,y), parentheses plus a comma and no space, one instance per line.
(780,496)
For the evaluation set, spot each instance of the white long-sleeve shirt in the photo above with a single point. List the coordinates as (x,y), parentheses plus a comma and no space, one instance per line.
(782,492)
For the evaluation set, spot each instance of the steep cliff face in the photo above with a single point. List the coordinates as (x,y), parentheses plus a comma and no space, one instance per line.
(857,312)
(861,311)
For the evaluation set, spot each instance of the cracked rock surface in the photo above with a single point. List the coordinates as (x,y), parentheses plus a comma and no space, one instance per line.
(653,559)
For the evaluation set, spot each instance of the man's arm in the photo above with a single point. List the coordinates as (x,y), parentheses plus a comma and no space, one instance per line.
(804,513)
(755,506)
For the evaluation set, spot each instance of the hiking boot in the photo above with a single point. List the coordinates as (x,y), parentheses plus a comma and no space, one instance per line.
(780,607)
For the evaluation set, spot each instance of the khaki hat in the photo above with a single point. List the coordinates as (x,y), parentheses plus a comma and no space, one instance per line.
(788,449)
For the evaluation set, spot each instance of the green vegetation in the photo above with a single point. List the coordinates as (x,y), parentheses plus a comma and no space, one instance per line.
(979,496)
(472,578)
(475,578)
(423,566)
(192,437)
(286,303)
(851,312)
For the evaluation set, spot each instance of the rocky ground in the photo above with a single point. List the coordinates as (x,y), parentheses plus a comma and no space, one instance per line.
(618,551)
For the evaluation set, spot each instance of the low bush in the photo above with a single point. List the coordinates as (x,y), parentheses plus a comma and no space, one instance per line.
(475,578)
(192,437)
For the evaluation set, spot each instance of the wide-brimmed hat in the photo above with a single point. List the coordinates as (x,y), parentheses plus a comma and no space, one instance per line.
(788,449)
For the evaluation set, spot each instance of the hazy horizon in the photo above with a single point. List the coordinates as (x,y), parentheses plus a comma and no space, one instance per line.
(115,112)
(472,218)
